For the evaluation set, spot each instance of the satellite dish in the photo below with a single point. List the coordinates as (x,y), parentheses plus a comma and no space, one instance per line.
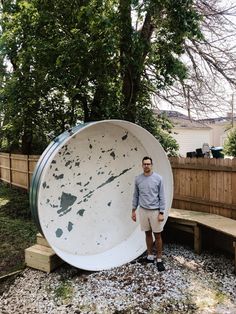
(82,187)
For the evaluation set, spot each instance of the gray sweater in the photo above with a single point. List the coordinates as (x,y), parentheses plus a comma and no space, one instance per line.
(149,192)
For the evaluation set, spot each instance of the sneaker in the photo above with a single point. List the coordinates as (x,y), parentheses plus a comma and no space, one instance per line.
(146,260)
(160,266)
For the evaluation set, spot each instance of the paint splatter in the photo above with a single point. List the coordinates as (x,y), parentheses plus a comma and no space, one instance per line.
(44,184)
(81,212)
(125,136)
(112,178)
(109,204)
(67,200)
(70,226)
(59,177)
(112,154)
(68,163)
(59,232)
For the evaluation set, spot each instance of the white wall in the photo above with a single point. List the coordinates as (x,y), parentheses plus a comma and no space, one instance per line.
(219,133)
(191,139)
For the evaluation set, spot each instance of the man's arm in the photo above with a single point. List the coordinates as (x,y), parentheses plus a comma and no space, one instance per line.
(162,203)
(135,201)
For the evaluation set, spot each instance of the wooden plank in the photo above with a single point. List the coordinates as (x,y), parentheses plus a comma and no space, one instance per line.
(199,184)
(201,164)
(227,188)
(183,221)
(182,182)
(41,240)
(193,189)
(206,185)
(182,227)
(42,258)
(234,245)
(45,250)
(203,167)
(233,178)
(4,277)
(215,222)
(197,240)
(204,202)
(187,181)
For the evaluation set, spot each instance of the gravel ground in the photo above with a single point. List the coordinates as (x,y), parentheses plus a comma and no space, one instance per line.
(190,284)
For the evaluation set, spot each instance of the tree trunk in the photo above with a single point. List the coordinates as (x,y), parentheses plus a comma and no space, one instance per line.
(132,58)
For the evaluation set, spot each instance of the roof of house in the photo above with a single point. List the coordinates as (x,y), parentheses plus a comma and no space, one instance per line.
(183,121)
(217,120)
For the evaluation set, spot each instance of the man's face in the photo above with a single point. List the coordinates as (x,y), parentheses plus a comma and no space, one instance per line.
(147,166)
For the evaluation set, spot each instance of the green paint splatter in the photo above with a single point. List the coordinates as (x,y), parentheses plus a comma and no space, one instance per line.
(112,154)
(125,136)
(59,232)
(68,163)
(61,176)
(70,226)
(81,212)
(112,178)
(67,200)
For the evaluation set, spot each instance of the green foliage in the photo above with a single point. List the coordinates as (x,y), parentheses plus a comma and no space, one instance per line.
(83,61)
(17,231)
(64,291)
(230,143)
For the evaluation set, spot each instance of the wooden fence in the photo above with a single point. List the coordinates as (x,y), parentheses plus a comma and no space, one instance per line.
(17,169)
(201,184)
(205,184)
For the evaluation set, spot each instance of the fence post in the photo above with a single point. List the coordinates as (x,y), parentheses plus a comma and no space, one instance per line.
(10,169)
(27,169)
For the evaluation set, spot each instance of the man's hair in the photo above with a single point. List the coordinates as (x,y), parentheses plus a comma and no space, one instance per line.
(146,157)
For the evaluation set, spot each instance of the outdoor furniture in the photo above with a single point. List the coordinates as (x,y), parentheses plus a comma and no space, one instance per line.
(193,221)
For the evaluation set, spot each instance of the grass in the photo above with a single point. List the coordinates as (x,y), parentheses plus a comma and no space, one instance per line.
(17,230)
(64,291)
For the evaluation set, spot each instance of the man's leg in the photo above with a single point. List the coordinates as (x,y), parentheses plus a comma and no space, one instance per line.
(149,242)
(158,243)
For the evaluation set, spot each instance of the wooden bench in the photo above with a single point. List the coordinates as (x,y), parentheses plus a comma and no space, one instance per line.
(193,221)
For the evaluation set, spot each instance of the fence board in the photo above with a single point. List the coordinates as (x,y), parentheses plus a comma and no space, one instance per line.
(209,183)
(17,169)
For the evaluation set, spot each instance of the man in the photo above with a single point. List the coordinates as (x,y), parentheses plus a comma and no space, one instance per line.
(149,196)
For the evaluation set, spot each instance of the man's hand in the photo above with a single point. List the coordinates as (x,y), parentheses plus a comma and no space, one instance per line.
(133,216)
(161,217)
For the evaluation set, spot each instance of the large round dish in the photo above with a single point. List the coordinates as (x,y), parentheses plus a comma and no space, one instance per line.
(81,192)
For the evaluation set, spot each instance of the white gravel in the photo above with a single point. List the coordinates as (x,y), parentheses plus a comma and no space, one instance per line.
(190,284)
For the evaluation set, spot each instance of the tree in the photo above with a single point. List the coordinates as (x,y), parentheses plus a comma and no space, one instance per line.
(89,60)
(211,62)
(230,143)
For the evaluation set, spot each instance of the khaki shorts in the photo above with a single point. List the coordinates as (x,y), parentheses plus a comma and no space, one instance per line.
(149,220)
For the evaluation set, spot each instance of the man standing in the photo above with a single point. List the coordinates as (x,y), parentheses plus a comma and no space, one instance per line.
(149,196)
